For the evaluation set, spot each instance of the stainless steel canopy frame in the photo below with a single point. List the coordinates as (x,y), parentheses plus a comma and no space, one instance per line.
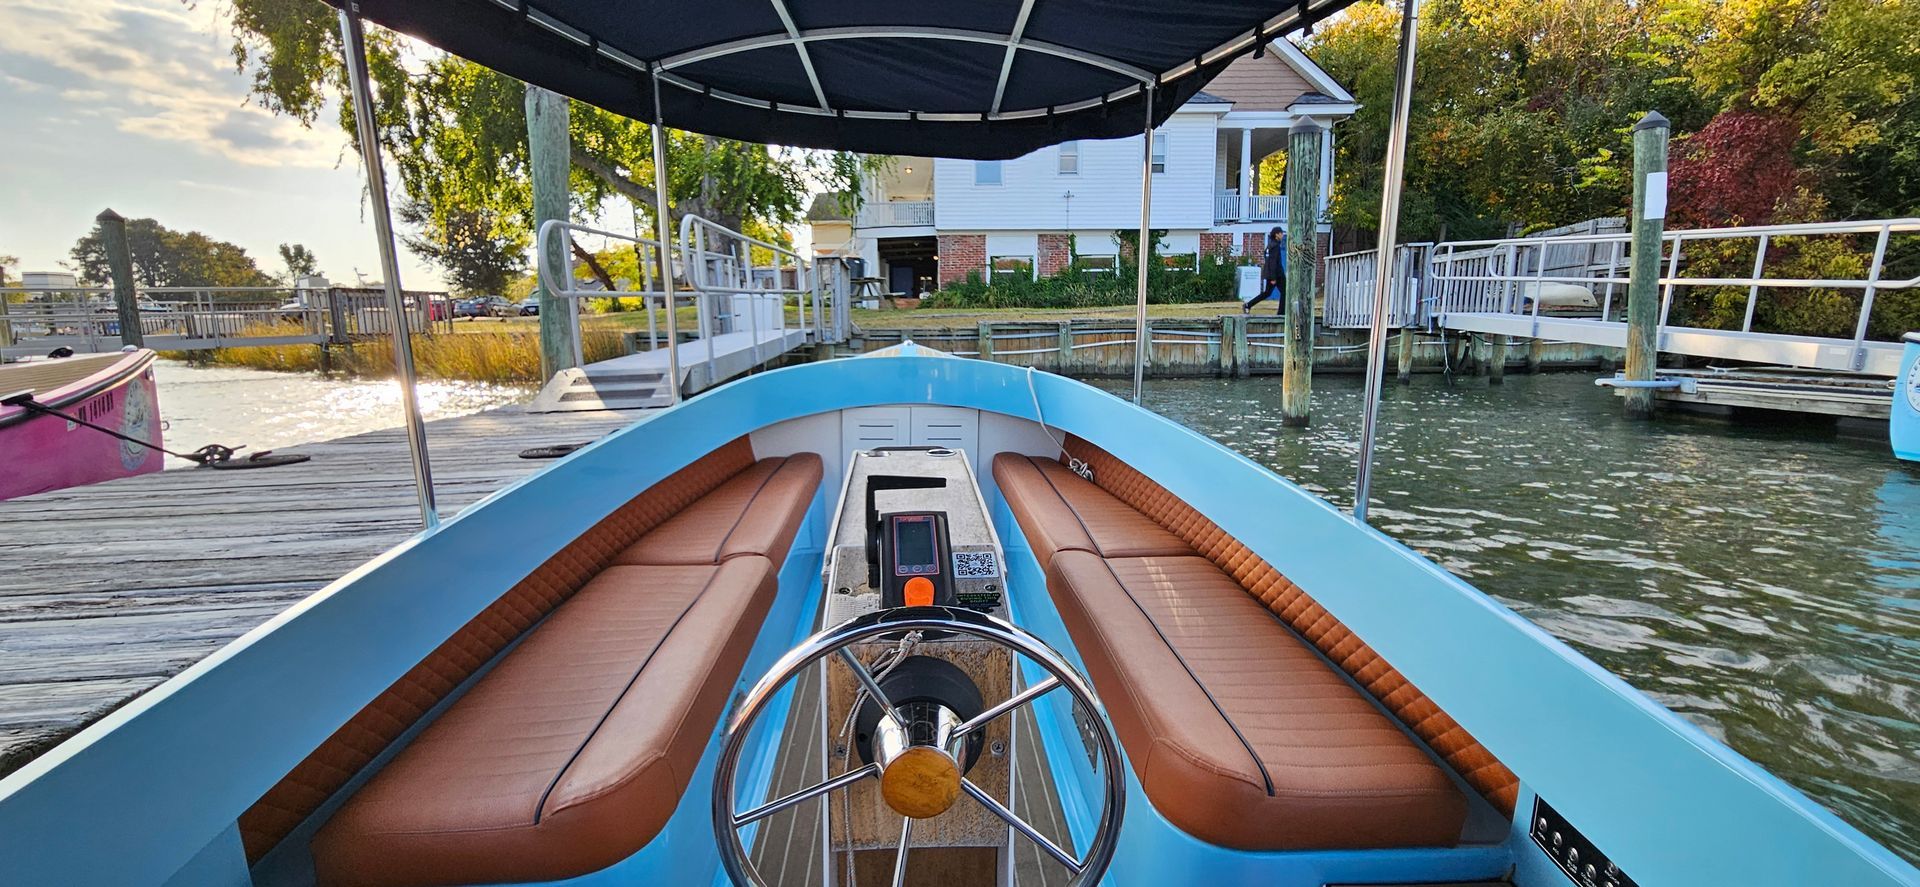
(1141,344)
(838,641)
(1383,271)
(354,47)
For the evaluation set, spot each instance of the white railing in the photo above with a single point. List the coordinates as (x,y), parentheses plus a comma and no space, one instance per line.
(729,277)
(87,319)
(1230,206)
(1350,282)
(1586,275)
(895,214)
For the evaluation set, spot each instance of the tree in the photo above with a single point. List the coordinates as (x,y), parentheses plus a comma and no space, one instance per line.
(299,261)
(457,134)
(479,259)
(164,257)
(5,262)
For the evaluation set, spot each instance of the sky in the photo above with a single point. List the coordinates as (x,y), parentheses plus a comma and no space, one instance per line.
(136,105)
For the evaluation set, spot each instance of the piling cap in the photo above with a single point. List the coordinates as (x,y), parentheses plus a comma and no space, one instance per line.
(1653,120)
(1305,125)
(108,215)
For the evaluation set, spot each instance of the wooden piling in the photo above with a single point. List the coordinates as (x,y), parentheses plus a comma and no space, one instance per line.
(983,340)
(1303,218)
(1496,360)
(1643,287)
(113,239)
(548,157)
(1404,369)
(1536,354)
(1063,360)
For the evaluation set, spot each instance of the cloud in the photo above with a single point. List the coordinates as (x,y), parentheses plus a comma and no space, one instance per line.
(159,70)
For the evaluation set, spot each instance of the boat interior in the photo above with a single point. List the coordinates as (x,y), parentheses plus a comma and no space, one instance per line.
(904,618)
(916,619)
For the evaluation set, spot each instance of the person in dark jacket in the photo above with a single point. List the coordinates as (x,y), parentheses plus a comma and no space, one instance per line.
(1273,273)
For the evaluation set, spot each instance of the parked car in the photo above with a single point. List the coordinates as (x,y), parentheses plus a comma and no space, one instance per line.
(438,308)
(530,306)
(468,308)
(495,306)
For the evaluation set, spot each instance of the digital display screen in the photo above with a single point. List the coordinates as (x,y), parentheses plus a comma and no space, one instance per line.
(913,546)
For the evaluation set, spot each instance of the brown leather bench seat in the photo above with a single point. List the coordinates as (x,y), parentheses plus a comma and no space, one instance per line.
(1239,732)
(574,750)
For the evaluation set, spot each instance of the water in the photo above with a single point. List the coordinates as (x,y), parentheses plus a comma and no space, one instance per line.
(1765,584)
(263,410)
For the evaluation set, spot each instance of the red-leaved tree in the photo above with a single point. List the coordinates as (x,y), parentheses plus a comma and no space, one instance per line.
(1735,171)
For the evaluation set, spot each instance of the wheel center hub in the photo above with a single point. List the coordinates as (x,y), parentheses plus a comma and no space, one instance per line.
(921,782)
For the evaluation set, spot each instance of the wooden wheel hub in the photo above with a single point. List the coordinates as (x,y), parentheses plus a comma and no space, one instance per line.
(921,782)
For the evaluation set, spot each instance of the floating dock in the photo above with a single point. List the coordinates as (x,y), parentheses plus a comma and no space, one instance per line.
(110,589)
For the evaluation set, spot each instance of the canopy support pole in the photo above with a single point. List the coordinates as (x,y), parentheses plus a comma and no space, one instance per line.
(1383,265)
(355,46)
(663,231)
(1141,251)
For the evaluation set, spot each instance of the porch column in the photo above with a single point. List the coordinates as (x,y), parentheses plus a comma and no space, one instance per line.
(1246,173)
(1326,171)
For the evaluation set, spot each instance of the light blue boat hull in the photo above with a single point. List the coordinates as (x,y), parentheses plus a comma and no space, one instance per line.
(1903,425)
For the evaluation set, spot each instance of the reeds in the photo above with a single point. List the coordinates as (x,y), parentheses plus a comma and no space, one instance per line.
(502,358)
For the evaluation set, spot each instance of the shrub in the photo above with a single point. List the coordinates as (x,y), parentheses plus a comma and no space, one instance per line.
(1079,288)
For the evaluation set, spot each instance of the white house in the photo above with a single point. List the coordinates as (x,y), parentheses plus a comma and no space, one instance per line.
(929,221)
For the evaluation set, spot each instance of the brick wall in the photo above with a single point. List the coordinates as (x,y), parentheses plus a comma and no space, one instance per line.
(1253,243)
(960,255)
(1056,251)
(1216,243)
(1322,248)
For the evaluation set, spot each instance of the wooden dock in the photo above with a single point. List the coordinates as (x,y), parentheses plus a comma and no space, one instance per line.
(107,590)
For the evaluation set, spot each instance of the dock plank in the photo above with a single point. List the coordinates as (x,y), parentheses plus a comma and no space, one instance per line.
(108,590)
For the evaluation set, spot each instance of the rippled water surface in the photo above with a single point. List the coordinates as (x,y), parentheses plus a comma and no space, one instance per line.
(232,406)
(1764,583)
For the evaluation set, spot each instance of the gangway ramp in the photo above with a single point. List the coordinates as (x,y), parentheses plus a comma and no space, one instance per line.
(1776,349)
(638,381)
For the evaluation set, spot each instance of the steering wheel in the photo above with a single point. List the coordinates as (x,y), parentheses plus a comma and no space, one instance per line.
(921,766)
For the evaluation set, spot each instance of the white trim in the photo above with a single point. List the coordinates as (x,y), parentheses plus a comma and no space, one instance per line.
(1323,82)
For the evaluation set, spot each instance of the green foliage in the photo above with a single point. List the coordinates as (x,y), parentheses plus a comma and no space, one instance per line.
(1075,287)
(456,133)
(165,257)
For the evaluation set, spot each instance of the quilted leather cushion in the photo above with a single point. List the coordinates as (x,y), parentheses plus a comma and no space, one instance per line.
(1239,733)
(758,511)
(400,706)
(1294,606)
(1058,511)
(573,751)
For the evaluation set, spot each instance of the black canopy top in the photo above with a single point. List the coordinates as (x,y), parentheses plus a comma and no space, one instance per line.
(983,79)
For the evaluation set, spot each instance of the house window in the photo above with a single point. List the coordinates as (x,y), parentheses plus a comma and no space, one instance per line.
(986,172)
(1179,261)
(1010,267)
(1159,152)
(1096,264)
(1070,158)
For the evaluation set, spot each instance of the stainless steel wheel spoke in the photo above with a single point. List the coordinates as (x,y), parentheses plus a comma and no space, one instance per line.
(771,807)
(1020,825)
(1015,701)
(873,687)
(900,855)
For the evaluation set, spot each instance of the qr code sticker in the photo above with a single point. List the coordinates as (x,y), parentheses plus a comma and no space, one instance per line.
(975,565)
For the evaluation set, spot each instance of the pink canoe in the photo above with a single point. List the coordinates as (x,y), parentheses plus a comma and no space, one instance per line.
(39,452)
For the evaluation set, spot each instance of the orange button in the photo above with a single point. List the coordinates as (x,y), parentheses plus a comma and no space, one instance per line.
(919,592)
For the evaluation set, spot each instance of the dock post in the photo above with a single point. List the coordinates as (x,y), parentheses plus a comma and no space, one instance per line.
(1496,360)
(1643,287)
(1536,355)
(1404,368)
(1242,353)
(113,239)
(983,340)
(1226,368)
(1303,218)
(1063,359)
(548,158)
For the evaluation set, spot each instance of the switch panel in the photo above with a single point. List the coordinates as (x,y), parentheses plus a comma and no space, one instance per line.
(1576,856)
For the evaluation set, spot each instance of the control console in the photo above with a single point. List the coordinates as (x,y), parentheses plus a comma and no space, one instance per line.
(912,530)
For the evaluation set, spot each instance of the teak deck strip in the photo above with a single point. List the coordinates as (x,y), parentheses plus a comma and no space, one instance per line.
(107,590)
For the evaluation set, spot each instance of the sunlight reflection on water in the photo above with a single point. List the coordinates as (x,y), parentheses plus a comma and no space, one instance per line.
(264,410)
